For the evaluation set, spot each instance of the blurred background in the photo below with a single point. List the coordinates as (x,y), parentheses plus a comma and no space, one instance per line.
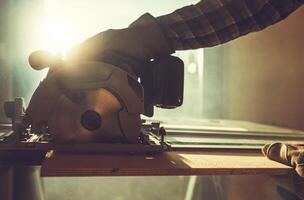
(256,78)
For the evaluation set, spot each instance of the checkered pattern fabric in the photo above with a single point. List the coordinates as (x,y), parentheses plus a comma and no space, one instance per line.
(213,22)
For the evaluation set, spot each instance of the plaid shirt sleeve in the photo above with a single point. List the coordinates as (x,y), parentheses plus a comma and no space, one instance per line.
(213,22)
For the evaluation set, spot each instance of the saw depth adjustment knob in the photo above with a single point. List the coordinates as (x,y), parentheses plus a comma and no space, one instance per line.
(91,120)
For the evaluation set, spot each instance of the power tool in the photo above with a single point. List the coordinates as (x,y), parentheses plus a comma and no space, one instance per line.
(96,105)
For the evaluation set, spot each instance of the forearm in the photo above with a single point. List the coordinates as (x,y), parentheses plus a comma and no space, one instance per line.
(213,22)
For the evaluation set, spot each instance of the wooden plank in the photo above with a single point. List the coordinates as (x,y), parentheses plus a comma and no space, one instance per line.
(169,163)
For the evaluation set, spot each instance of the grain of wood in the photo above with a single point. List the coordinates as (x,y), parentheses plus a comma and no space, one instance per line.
(169,163)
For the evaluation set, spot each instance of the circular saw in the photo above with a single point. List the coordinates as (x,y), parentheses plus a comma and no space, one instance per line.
(93,102)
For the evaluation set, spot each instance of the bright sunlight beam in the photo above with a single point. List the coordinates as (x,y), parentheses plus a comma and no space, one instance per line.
(58,36)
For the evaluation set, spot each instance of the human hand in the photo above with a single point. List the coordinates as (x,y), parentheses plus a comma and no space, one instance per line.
(288,154)
(141,41)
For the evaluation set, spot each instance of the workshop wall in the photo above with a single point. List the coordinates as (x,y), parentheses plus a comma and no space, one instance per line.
(264,75)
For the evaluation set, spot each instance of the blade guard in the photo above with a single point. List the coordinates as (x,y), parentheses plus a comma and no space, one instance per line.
(100,88)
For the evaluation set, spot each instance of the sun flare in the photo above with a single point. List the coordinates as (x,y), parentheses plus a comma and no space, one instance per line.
(58,37)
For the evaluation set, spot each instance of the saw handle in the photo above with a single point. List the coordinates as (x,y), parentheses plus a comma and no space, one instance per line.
(43,59)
